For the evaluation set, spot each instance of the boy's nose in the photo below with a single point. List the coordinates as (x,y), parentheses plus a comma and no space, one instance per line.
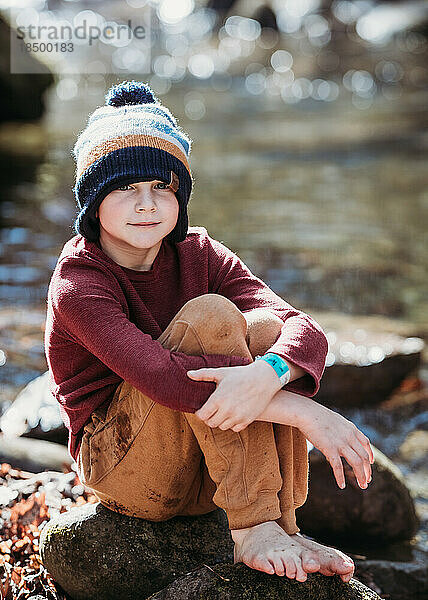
(144,199)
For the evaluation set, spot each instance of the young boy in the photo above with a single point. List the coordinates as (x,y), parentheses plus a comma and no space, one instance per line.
(184,380)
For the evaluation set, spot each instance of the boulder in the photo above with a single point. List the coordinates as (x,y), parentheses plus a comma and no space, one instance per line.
(368,358)
(383,512)
(23,142)
(121,557)
(33,455)
(389,423)
(22,97)
(396,579)
(414,449)
(35,413)
(96,553)
(239,582)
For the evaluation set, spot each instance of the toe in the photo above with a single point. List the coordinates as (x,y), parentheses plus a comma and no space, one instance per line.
(346,577)
(301,575)
(290,567)
(338,562)
(264,565)
(310,562)
(278,565)
(344,565)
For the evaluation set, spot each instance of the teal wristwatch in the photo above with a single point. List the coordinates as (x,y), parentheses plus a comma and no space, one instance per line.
(279,364)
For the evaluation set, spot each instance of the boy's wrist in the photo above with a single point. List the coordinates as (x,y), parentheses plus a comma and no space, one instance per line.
(278,364)
(266,371)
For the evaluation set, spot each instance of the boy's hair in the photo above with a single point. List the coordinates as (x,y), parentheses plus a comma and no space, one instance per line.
(132,138)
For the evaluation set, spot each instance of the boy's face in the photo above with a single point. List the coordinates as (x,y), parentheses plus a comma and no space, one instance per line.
(132,203)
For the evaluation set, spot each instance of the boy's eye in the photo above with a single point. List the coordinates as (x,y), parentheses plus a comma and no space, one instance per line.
(126,186)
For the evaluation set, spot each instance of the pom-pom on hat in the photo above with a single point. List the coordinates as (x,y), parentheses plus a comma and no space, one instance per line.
(132,138)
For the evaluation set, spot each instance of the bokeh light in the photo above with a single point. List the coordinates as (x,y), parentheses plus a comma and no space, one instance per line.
(242,28)
(281,61)
(201,65)
(173,11)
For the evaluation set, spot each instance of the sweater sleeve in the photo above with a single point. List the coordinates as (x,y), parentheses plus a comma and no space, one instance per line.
(301,340)
(89,310)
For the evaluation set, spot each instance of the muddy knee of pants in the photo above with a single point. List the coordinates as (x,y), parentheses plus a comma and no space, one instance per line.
(143,460)
(207,324)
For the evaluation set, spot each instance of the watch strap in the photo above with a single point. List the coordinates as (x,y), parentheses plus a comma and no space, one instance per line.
(279,365)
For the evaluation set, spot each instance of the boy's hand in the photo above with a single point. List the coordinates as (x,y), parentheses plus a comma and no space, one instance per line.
(241,395)
(335,436)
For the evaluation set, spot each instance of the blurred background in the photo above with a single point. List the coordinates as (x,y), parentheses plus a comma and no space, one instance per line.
(308,120)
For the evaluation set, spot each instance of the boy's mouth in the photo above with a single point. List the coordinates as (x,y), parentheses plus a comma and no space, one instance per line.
(144,224)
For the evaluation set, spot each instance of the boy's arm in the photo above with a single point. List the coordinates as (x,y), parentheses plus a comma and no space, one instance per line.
(285,408)
(302,342)
(327,430)
(89,311)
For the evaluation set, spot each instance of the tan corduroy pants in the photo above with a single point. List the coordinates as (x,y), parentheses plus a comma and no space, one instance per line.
(146,460)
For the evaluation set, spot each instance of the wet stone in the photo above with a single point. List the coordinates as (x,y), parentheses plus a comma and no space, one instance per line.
(94,553)
(97,553)
(367,360)
(35,413)
(383,512)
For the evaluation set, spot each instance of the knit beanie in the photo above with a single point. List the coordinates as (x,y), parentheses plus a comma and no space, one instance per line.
(132,138)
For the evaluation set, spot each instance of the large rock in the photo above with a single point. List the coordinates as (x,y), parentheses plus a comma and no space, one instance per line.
(368,358)
(403,580)
(239,582)
(35,413)
(383,512)
(94,553)
(414,449)
(389,424)
(33,455)
(97,554)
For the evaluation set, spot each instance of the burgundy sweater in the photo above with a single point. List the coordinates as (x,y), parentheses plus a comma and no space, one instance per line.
(103,321)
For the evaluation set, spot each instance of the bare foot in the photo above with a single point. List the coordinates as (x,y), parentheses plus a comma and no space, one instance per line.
(267,547)
(331,561)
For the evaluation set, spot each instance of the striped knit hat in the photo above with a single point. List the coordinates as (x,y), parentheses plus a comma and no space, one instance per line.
(132,138)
